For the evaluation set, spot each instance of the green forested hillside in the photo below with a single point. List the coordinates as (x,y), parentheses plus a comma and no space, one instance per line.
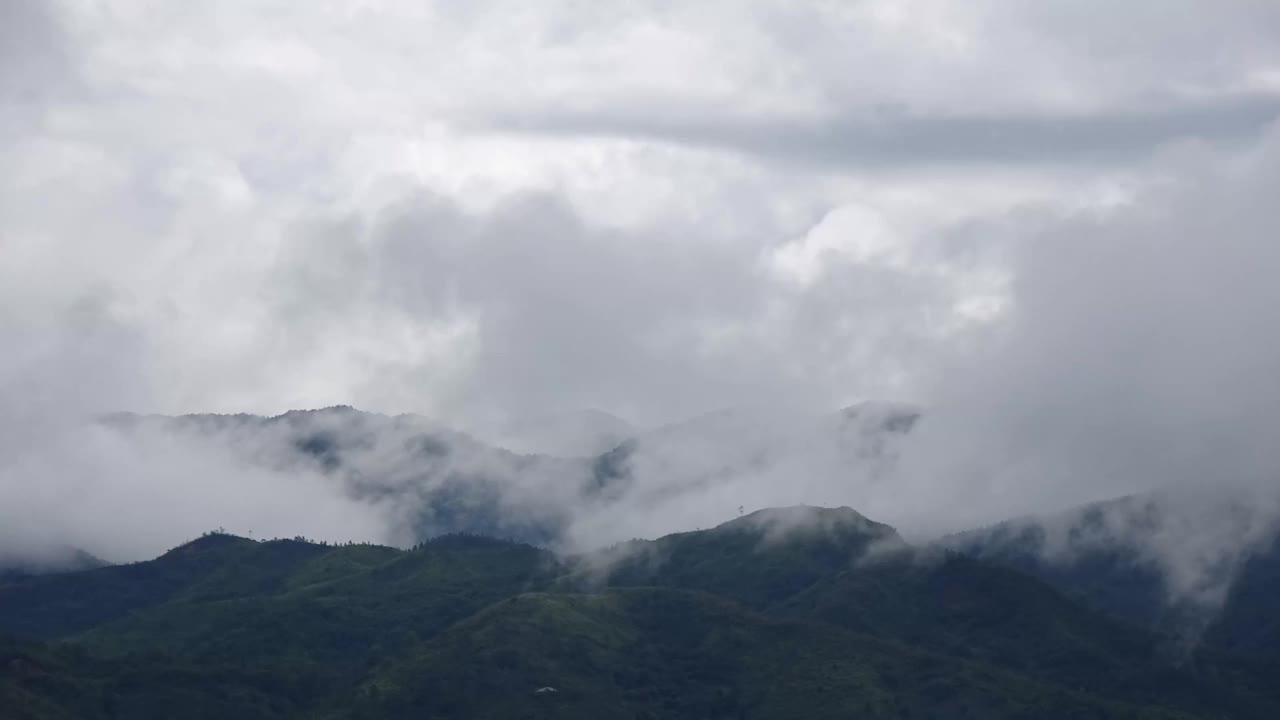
(795,612)
(651,652)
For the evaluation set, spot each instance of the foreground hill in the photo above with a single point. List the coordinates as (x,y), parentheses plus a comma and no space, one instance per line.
(656,652)
(791,612)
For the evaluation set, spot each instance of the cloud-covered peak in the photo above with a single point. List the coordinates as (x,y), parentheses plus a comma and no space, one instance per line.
(780,523)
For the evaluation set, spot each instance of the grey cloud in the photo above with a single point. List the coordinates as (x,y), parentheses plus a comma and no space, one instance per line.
(35,57)
(38,68)
(62,366)
(585,433)
(560,315)
(1138,347)
(132,497)
(895,138)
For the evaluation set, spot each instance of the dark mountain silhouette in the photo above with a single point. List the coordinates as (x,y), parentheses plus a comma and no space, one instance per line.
(787,612)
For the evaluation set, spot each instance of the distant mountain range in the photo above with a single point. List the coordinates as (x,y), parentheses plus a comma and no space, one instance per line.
(443,480)
(786,612)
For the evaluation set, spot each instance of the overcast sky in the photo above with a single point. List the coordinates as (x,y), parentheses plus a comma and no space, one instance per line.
(1052,223)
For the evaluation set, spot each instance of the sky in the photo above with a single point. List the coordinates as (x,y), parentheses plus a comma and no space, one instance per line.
(1052,224)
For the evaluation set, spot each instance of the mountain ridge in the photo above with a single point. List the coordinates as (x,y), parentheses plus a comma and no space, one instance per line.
(354,627)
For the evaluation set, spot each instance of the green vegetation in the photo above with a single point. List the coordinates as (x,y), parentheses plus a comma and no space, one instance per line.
(792,613)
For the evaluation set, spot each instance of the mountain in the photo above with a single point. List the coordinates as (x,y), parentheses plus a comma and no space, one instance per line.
(785,612)
(649,653)
(1248,627)
(694,473)
(442,481)
(838,567)
(1174,560)
(760,559)
(1201,572)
